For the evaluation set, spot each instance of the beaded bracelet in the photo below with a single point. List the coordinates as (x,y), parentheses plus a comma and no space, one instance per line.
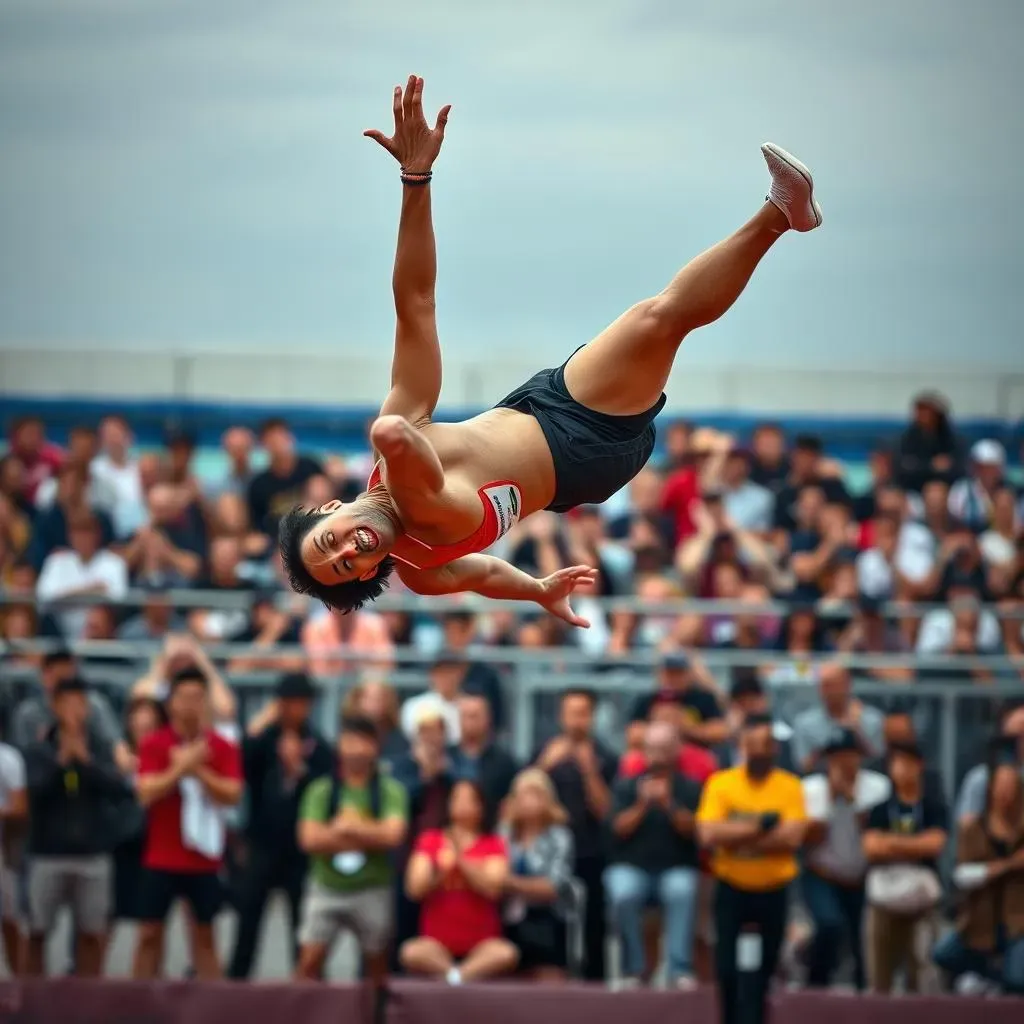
(416,177)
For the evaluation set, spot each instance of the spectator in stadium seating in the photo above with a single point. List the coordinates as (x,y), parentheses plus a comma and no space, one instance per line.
(282,755)
(676,437)
(478,756)
(869,632)
(646,504)
(837,709)
(989,938)
(15,535)
(155,619)
(183,651)
(538,546)
(181,447)
(119,473)
(899,730)
(349,825)
(684,680)
(458,875)
(71,780)
(38,457)
(278,488)
(168,548)
(970,498)
(695,762)
(540,870)
(747,698)
(838,801)
(808,468)
(267,626)
(13,822)
(51,529)
(653,856)
(582,771)
(928,448)
(748,505)
(81,450)
(819,546)
(446,676)
(459,630)
(882,467)
(769,463)
(1000,541)
(789,674)
(237,444)
(378,701)
(904,838)
(188,775)
(14,488)
(880,571)
(35,717)
(964,623)
(935,510)
(426,773)
(970,801)
(752,819)
(361,632)
(143,717)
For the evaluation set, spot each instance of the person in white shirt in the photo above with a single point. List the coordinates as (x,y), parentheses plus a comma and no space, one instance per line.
(118,472)
(938,627)
(83,569)
(445,677)
(999,543)
(837,802)
(13,813)
(970,499)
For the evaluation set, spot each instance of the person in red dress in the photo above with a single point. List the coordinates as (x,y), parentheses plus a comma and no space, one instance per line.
(457,874)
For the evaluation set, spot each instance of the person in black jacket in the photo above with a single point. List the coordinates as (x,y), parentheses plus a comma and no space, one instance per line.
(280,757)
(928,448)
(477,756)
(72,782)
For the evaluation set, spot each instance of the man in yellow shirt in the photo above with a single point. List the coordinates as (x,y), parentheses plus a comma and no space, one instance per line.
(752,818)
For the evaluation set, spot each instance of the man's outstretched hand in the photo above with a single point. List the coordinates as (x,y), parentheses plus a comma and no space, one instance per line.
(560,585)
(414,145)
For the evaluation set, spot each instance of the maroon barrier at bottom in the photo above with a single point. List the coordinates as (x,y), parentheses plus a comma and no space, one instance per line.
(72,1001)
(416,1003)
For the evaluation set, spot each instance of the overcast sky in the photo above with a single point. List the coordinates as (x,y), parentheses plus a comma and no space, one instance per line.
(191,174)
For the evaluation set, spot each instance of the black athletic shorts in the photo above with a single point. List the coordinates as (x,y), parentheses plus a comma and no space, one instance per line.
(595,455)
(158,891)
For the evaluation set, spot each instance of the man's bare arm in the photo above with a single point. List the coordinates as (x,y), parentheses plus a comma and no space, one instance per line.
(413,466)
(494,578)
(416,367)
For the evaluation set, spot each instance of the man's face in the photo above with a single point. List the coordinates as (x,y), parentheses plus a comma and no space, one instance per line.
(347,542)
(899,728)
(294,712)
(458,629)
(163,504)
(843,768)
(72,711)
(432,734)
(114,436)
(28,439)
(358,752)
(809,505)
(278,442)
(805,463)
(82,446)
(57,673)
(677,679)
(758,743)
(474,718)
(84,539)
(237,444)
(769,446)
(904,768)
(661,747)
(577,716)
(445,679)
(736,469)
(835,686)
(187,704)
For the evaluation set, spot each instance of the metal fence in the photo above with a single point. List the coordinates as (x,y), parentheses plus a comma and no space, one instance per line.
(953,717)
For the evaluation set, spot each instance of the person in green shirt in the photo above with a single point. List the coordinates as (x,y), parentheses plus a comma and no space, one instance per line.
(349,825)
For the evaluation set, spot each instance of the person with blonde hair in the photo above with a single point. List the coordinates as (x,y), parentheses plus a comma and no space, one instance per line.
(541,855)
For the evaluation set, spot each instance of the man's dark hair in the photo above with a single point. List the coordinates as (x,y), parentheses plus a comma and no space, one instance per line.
(61,656)
(189,674)
(342,597)
(273,423)
(360,725)
(590,696)
(808,443)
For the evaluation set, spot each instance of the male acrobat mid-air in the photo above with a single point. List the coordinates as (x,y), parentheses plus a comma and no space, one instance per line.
(441,493)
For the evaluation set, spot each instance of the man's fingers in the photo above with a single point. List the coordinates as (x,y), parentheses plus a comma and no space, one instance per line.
(410,89)
(396,106)
(380,138)
(417,99)
(442,119)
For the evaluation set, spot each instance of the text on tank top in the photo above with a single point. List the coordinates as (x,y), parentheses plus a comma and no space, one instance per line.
(502,503)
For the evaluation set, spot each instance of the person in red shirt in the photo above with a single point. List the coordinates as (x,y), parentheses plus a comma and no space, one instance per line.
(186,774)
(457,874)
(39,457)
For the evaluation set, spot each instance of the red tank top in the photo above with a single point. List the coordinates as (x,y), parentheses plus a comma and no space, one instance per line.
(502,503)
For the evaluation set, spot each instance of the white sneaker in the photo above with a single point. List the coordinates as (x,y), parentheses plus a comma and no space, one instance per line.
(628,984)
(685,983)
(792,188)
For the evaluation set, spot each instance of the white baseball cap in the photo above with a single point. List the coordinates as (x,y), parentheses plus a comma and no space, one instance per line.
(988,453)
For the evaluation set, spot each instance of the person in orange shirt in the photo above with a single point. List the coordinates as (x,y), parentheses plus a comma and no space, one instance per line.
(361,633)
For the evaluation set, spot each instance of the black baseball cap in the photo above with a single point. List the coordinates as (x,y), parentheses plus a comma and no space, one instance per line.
(448,657)
(843,741)
(909,749)
(746,684)
(295,686)
(676,661)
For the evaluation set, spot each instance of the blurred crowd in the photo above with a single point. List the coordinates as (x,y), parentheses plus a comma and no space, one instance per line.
(412,825)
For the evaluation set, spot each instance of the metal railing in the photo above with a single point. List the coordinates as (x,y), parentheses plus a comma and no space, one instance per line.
(954,718)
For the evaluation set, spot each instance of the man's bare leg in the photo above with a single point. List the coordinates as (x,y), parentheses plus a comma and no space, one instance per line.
(645,339)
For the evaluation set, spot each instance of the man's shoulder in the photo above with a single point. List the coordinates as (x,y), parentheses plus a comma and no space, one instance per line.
(317,793)
(390,787)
